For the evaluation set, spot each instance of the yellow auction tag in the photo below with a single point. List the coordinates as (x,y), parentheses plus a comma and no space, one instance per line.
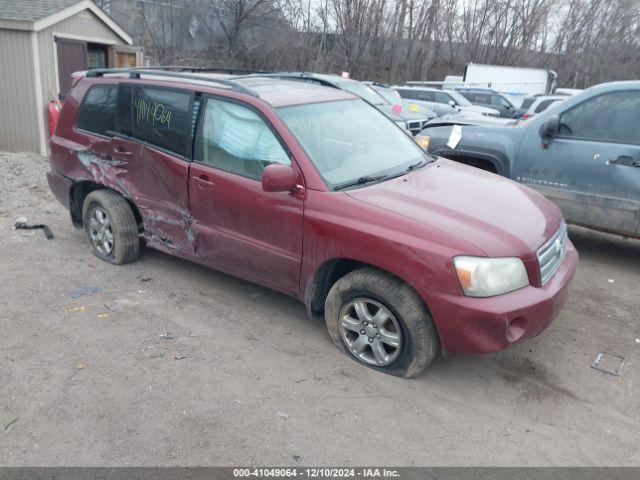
(414,108)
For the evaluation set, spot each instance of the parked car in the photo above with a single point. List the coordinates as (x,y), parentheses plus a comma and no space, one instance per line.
(584,154)
(235,174)
(394,98)
(489,98)
(443,102)
(413,122)
(538,104)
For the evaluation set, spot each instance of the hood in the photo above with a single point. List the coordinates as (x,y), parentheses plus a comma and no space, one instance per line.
(416,109)
(472,119)
(500,217)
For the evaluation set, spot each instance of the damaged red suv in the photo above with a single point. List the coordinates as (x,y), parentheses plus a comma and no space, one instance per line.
(312,192)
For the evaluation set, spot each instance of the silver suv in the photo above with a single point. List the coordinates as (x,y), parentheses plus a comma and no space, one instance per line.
(443,102)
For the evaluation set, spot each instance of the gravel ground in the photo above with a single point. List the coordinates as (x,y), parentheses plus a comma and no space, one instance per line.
(170,363)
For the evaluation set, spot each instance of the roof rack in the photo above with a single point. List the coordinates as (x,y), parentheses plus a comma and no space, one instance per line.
(290,75)
(134,73)
(229,70)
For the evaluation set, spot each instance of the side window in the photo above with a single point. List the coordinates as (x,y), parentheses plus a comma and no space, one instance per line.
(542,106)
(613,117)
(442,97)
(505,103)
(426,96)
(407,94)
(162,117)
(499,101)
(236,139)
(98,110)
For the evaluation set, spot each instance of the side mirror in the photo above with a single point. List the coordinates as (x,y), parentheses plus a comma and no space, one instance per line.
(280,178)
(550,127)
(452,103)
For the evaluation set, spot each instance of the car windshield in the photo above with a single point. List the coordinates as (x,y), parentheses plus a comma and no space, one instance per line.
(348,140)
(389,95)
(459,99)
(363,91)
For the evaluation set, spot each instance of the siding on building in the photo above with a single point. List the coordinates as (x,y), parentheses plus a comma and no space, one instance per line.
(18,110)
(29,63)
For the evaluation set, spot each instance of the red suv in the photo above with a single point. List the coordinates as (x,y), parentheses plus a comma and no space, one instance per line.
(313,192)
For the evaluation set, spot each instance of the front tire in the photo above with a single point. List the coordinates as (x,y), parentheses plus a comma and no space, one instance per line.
(381,322)
(111,227)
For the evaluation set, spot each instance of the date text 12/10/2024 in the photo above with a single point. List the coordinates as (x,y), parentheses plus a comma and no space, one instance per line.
(320,472)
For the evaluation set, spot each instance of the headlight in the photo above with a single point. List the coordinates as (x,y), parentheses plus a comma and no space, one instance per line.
(423,141)
(486,277)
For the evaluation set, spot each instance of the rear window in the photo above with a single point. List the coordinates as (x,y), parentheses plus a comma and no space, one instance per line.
(162,117)
(544,105)
(98,110)
(526,103)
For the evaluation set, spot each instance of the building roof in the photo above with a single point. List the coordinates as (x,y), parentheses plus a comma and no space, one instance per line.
(35,15)
(32,10)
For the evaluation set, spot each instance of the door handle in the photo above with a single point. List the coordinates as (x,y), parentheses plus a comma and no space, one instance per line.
(624,160)
(204,180)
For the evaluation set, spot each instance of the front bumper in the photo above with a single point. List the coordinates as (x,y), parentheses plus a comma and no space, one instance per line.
(479,325)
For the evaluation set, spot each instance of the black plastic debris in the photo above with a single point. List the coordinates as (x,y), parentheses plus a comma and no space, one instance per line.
(24,226)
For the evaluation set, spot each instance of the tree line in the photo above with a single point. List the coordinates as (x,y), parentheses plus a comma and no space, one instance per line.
(585,41)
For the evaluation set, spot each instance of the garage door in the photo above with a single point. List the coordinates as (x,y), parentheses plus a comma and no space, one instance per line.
(72,56)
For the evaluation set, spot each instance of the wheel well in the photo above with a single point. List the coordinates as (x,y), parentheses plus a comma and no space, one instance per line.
(80,190)
(324,278)
(480,163)
(327,275)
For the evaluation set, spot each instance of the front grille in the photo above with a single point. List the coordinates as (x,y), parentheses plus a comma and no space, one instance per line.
(552,253)
(416,126)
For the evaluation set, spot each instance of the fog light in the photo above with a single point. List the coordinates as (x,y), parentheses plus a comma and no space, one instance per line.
(516,329)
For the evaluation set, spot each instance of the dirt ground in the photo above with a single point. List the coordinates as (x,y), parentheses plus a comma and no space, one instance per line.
(170,363)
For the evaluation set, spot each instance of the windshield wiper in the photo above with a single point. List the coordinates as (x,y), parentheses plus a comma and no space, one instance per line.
(415,166)
(360,181)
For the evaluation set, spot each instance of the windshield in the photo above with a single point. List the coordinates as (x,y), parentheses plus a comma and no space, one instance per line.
(459,99)
(364,91)
(389,95)
(348,140)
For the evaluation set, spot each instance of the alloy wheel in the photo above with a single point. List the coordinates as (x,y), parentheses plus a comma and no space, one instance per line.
(100,231)
(371,332)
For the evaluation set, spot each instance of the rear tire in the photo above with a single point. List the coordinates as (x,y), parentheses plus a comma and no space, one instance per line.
(111,227)
(396,334)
